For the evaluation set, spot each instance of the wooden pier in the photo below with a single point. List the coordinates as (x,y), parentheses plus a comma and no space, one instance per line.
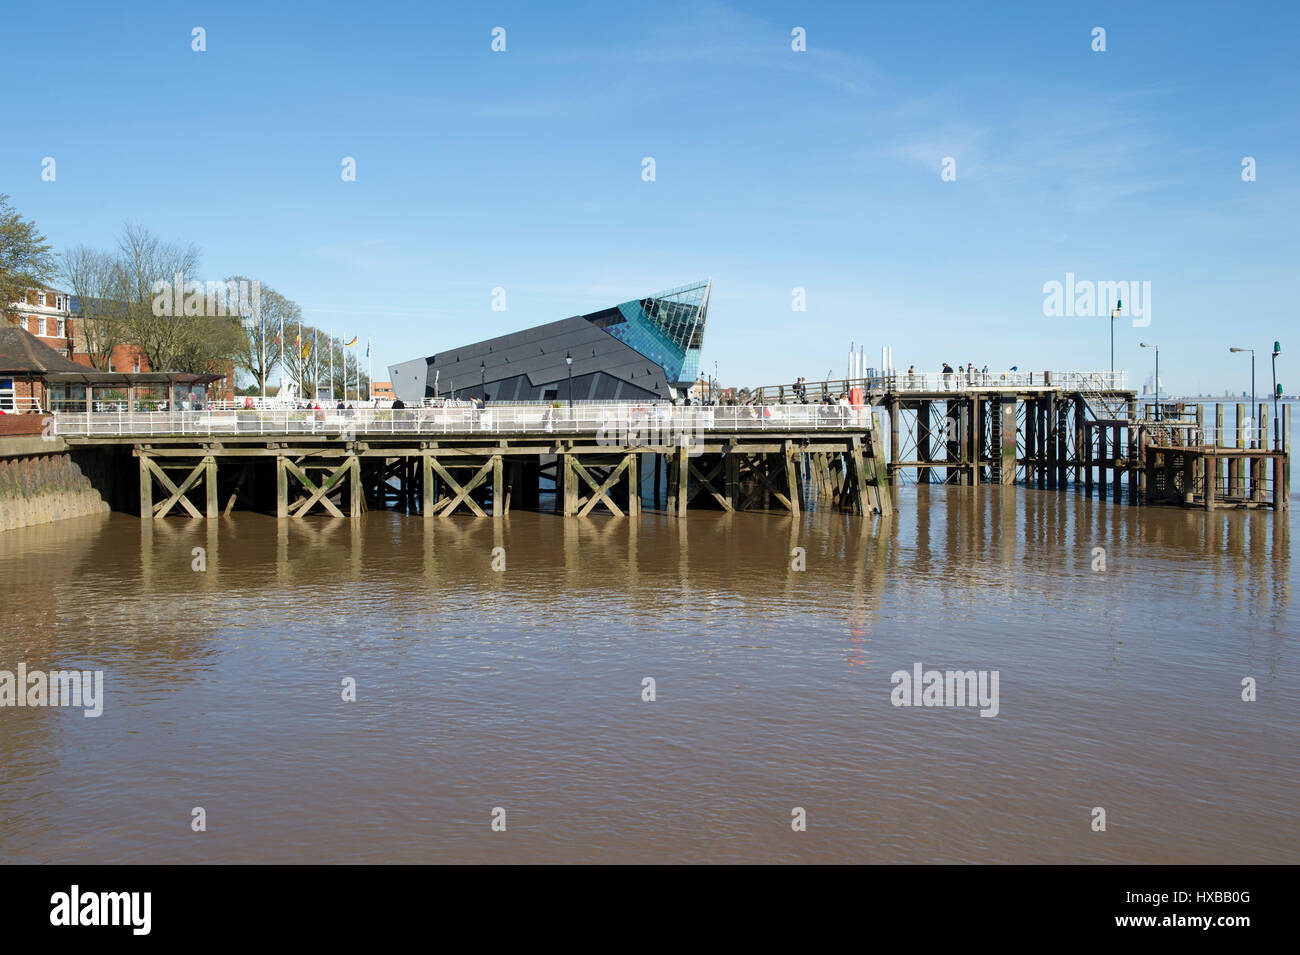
(445,462)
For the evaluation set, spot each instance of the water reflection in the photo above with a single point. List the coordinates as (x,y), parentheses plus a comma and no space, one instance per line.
(500,662)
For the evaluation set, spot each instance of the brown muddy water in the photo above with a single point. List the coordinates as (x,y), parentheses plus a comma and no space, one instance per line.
(521,688)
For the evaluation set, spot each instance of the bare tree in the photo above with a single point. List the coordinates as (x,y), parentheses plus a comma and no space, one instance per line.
(262,313)
(160,332)
(96,279)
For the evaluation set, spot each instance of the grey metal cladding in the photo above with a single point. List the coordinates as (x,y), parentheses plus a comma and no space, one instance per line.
(538,354)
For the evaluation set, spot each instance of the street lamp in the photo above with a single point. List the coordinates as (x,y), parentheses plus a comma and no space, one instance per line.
(1114,314)
(568,360)
(482,379)
(1157,348)
(1277,422)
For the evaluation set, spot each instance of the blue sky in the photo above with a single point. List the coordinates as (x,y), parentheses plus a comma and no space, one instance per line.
(775,169)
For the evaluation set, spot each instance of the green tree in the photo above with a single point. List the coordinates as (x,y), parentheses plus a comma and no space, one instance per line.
(25,257)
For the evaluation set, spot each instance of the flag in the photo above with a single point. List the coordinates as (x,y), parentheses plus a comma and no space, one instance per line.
(351,343)
(367,347)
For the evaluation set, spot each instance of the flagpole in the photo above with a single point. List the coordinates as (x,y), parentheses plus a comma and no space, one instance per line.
(370,373)
(331,366)
(315,364)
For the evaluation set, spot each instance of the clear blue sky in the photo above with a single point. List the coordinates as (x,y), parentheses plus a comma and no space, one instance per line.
(775,169)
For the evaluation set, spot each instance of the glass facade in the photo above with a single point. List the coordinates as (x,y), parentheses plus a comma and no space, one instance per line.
(668,328)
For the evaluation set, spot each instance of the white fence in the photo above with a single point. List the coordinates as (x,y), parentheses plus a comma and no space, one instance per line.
(957,380)
(616,423)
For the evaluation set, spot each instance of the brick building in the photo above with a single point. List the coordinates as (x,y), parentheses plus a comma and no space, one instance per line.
(53,318)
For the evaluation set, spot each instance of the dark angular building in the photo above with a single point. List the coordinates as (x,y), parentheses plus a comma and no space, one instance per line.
(647,349)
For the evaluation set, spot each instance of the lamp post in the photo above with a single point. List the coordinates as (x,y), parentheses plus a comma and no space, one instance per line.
(1114,314)
(1277,422)
(568,360)
(482,379)
(1157,348)
(1251,419)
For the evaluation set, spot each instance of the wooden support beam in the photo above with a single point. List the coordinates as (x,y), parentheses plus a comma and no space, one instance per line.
(428,485)
(704,482)
(146,486)
(633,484)
(356,494)
(600,492)
(1007,466)
(461,494)
(498,487)
(683,478)
(317,493)
(281,486)
(162,508)
(791,480)
(732,490)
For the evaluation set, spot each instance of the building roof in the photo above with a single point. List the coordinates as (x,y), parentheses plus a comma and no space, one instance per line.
(23,353)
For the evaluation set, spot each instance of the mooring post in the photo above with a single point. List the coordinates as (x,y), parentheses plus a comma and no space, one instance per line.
(633,485)
(356,497)
(1261,442)
(1008,423)
(1218,441)
(923,454)
(895,454)
(427,485)
(1211,478)
(1050,414)
(210,482)
(791,480)
(732,490)
(1239,441)
(146,484)
(571,494)
(657,459)
(881,474)
(498,486)
(281,487)
(683,475)
(1286,458)
(1117,465)
(976,439)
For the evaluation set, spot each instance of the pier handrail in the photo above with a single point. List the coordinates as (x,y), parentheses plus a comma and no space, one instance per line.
(621,423)
(958,380)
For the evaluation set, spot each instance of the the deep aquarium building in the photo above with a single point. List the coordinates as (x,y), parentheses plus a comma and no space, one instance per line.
(644,349)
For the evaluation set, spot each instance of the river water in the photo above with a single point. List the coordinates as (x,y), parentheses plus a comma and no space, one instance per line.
(521,687)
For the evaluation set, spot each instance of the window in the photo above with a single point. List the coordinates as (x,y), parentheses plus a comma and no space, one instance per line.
(63,329)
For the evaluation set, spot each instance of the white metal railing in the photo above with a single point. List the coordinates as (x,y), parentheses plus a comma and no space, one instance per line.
(620,423)
(12,405)
(957,380)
